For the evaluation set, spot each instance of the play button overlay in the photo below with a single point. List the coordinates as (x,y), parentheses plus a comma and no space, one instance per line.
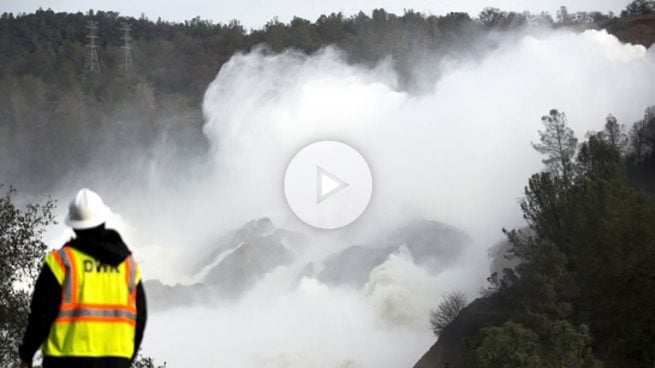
(328,184)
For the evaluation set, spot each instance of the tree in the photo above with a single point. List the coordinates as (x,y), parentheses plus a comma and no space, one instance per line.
(569,346)
(600,159)
(638,143)
(21,252)
(450,306)
(614,133)
(639,7)
(563,17)
(508,346)
(142,361)
(515,345)
(558,143)
(642,137)
(592,257)
(544,207)
(491,17)
(496,18)
(543,19)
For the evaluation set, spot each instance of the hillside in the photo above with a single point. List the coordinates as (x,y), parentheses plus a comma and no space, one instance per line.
(48,103)
(639,30)
(575,293)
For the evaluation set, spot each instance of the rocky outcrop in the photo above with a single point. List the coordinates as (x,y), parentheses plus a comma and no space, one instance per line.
(431,244)
(232,265)
(353,265)
(248,263)
(237,261)
(161,296)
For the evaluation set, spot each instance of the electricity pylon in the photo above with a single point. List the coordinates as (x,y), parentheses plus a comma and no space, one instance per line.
(92,64)
(127,49)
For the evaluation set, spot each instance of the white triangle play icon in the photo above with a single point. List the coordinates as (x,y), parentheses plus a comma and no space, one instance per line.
(327,184)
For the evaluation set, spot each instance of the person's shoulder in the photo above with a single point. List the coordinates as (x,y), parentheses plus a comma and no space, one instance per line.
(113,237)
(111,234)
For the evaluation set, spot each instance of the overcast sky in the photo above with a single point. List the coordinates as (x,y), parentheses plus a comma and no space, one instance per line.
(255,13)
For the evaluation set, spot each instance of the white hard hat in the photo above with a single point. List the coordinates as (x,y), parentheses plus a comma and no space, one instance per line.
(86,210)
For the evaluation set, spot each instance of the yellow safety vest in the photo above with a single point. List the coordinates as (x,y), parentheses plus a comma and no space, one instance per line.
(97,316)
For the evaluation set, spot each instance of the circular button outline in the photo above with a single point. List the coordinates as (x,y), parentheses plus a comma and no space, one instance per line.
(354,214)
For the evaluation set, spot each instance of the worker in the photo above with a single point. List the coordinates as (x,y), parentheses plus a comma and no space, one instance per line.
(89,306)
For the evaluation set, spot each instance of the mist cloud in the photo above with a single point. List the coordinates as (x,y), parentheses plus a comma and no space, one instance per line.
(459,153)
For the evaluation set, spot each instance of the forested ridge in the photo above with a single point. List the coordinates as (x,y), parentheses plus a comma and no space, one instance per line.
(48,106)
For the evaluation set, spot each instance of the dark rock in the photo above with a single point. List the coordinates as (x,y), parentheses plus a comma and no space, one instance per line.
(432,245)
(353,265)
(247,254)
(161,296)
(241,269)
(448,351)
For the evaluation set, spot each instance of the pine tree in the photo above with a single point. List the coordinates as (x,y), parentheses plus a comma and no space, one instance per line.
(558,143)
(614,133)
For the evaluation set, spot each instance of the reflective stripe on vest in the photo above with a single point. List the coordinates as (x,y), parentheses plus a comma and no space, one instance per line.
(97,316)
(67,288)
(131,278)
(97,313)
(70,310)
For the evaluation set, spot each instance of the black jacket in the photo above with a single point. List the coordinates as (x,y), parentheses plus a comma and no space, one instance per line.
(106,246)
